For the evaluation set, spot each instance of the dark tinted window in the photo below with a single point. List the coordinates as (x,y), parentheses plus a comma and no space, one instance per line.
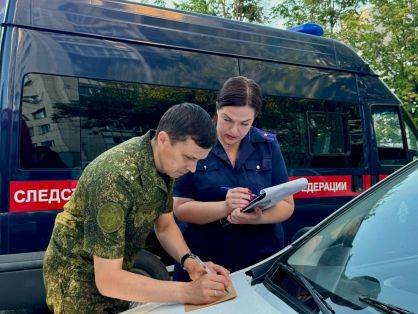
(315,133)
(411,133)
(388,133)
(67,122)
(327,133)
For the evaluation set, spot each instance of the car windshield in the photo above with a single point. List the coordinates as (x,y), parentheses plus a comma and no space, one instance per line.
(370,251)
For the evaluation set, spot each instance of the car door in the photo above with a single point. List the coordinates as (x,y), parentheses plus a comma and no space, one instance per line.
(395,138)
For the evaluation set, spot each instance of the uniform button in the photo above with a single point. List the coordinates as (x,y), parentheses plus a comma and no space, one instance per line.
(204,167)
(258,167)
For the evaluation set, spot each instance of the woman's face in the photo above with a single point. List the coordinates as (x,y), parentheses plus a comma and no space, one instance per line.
(233,123)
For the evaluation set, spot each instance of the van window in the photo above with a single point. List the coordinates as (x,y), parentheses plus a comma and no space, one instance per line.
(411,136)
(388,133)
(67,121)
(315,133)
(327,133)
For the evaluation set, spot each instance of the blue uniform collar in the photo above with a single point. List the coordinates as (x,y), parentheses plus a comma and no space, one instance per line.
(246,148)
(219,151)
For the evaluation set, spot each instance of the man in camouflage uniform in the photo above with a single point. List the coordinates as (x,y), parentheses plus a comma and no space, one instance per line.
(120,196)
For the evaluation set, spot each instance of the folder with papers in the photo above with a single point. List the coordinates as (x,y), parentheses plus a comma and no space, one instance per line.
(274,194)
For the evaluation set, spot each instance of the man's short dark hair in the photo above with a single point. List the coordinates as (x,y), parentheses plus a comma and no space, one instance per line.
(186,119)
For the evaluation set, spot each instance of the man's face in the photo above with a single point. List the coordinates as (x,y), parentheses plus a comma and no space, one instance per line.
(179,158)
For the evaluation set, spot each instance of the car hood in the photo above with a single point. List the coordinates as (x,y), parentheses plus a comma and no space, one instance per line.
(249,300)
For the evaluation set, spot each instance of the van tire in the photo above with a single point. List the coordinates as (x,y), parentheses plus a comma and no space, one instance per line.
(150,265)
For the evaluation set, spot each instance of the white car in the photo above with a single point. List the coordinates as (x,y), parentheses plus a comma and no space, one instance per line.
(361,259)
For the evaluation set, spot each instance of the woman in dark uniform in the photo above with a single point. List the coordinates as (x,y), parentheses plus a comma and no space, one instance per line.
(243,161)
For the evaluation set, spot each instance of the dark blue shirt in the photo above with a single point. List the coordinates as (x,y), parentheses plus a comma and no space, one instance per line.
(259,164)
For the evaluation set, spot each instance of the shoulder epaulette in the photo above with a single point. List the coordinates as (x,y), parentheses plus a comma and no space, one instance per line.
(261,135)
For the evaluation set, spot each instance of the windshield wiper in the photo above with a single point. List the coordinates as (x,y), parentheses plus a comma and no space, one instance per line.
(388,308)
(317,297)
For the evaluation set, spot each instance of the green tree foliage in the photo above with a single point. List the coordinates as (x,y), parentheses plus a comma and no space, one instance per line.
(160,3)
(386,37)
(241,10)
(384,32)
(387,128)
(327,13)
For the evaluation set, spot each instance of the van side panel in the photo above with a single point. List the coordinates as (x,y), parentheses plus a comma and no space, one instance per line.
(45,52)
(371,88)
(63,52)
(7,116)
(302,105)
(384,114)
(177,29)
(296,81)
(184,30)
(65,59)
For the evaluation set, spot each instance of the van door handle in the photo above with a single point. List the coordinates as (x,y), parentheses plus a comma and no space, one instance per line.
(357,185)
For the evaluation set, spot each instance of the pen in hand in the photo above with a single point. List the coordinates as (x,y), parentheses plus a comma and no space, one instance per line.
(227,188)
(206,268)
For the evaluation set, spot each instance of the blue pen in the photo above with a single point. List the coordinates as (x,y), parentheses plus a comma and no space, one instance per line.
(225,188)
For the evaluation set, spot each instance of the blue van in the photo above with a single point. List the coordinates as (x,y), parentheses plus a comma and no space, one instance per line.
(78,77)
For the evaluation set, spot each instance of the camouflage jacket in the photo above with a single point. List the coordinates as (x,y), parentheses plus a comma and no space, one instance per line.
(117,200)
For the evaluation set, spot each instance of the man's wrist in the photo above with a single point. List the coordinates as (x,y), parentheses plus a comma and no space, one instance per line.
(185,257)
(189,264)
(225,209)
(182,294)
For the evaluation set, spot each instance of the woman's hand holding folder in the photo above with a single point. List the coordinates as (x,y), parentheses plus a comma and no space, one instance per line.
(239,217)
(236,198)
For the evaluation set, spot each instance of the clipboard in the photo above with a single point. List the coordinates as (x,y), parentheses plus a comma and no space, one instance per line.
(272,195)
(232,294)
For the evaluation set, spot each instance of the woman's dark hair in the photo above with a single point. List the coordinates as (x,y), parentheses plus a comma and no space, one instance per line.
(186,119)
(240,91)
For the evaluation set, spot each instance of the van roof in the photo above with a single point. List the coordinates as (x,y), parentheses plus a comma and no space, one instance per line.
(127,21)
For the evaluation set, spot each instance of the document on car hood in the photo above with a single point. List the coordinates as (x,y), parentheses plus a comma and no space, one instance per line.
(232,294)
(274,194)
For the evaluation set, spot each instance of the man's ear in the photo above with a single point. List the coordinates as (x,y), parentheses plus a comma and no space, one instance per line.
(163,137)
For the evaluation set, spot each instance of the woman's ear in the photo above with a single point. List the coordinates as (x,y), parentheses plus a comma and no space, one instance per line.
(215,117)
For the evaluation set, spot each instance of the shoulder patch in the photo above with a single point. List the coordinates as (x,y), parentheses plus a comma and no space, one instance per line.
(263,136)
(269,136)
(130,173)
(110,217)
